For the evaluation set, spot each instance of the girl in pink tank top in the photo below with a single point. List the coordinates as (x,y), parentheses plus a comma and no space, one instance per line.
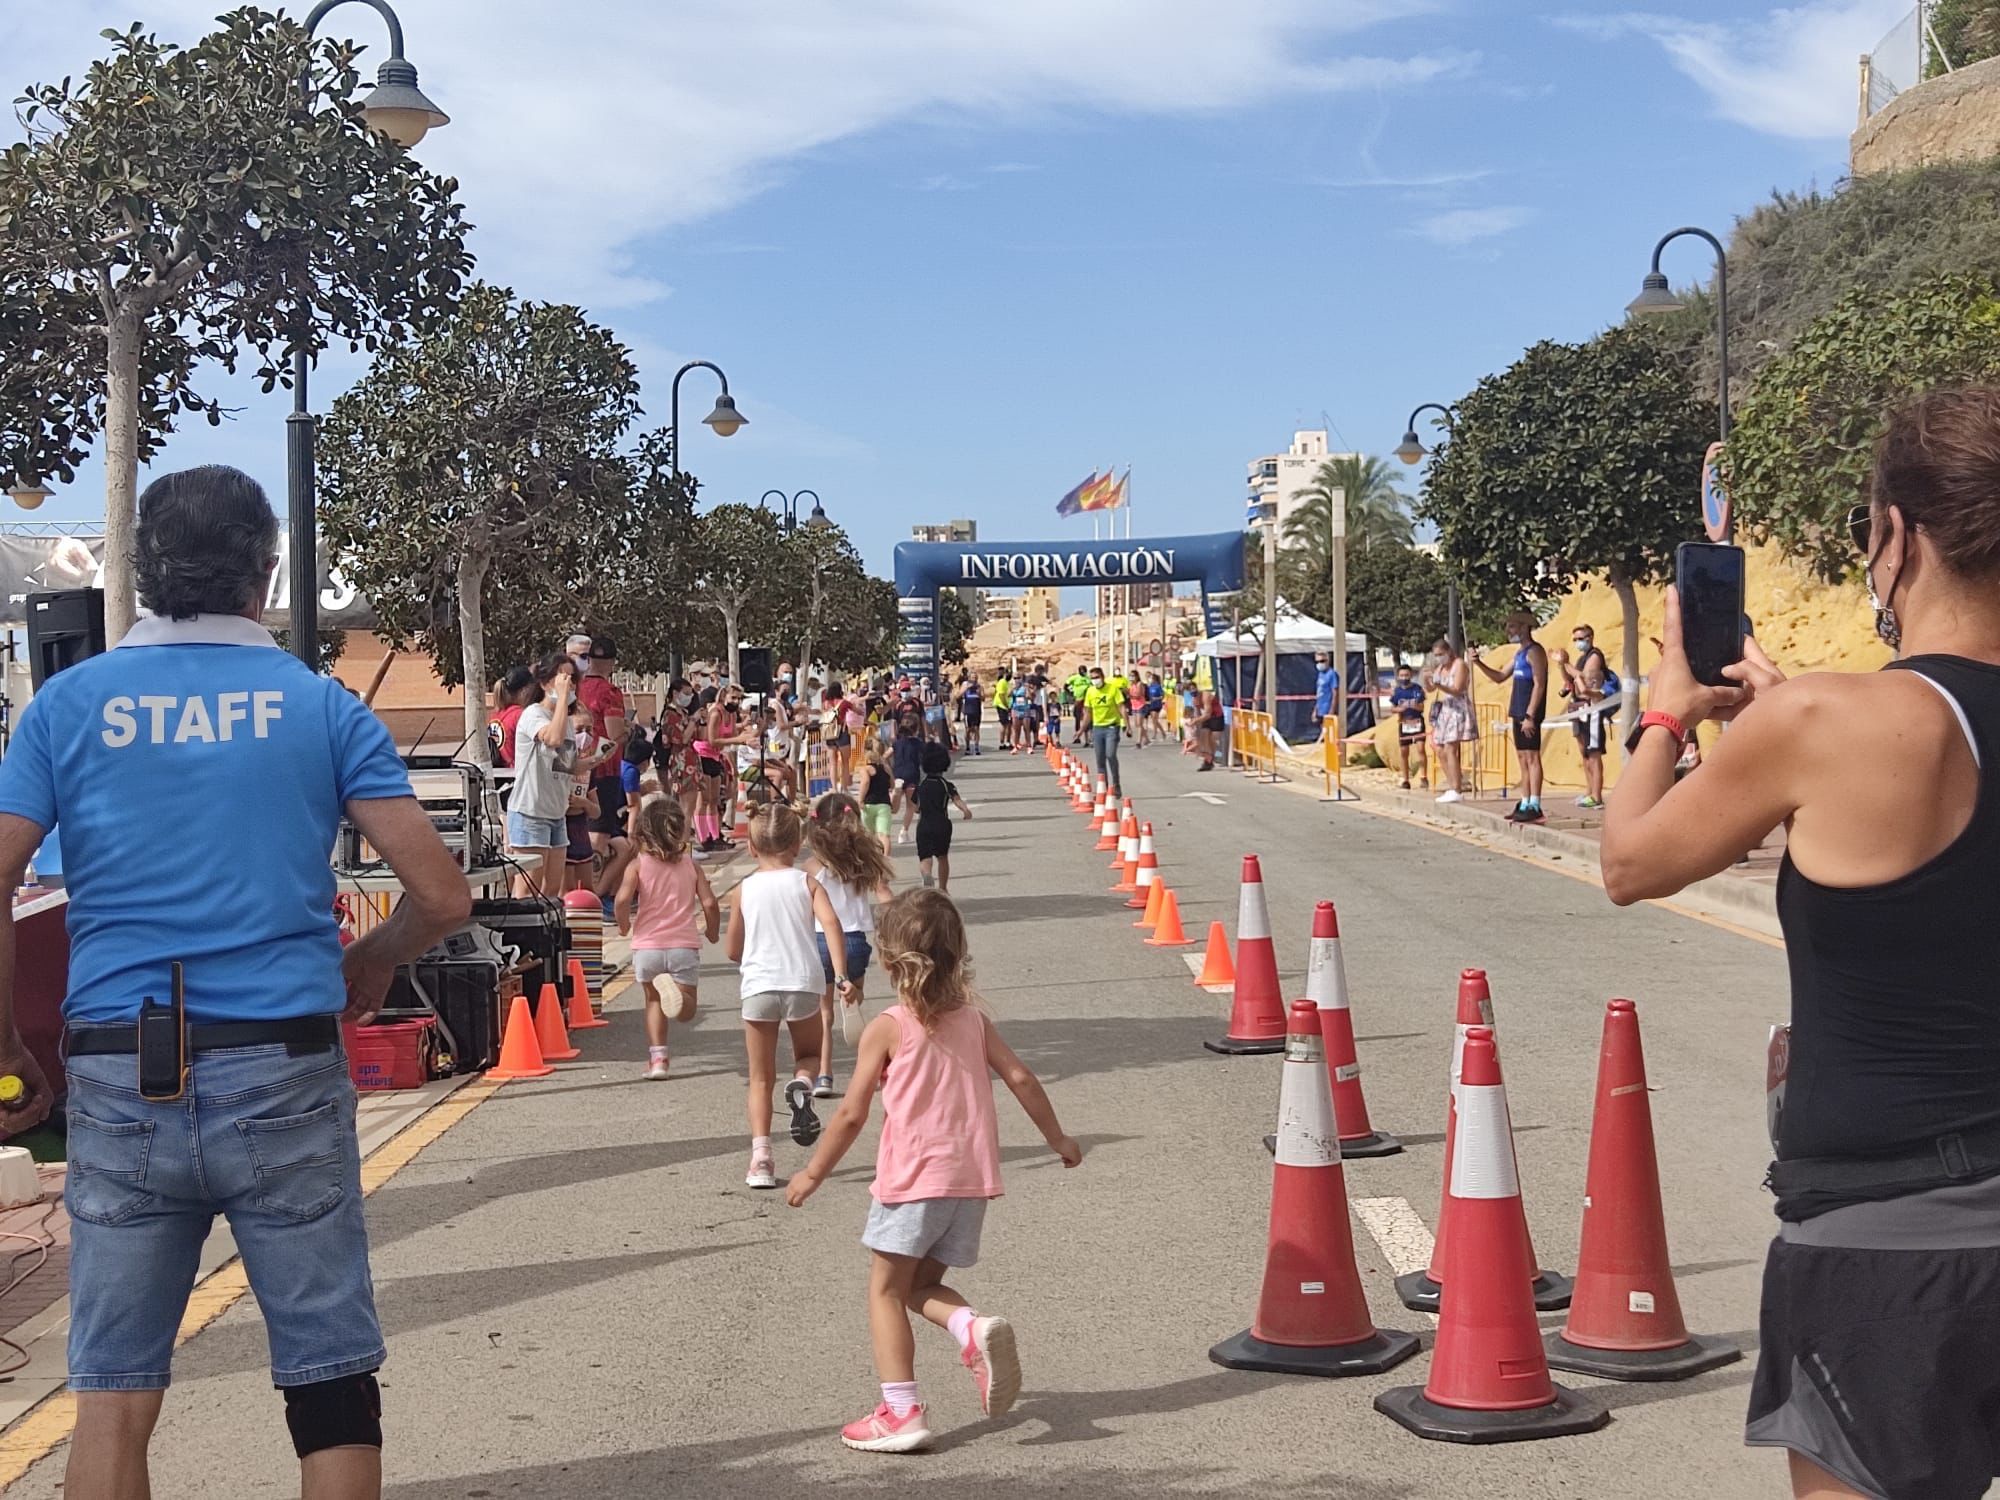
(665,905)
(932,1055)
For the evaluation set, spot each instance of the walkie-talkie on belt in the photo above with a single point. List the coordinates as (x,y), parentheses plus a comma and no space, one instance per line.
(163,1052)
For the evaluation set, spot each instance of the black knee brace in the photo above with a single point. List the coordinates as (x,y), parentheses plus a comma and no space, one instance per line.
(341,1413)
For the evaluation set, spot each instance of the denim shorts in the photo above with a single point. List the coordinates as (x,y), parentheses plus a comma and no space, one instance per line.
(524,832)
(262,1137)
(859,951)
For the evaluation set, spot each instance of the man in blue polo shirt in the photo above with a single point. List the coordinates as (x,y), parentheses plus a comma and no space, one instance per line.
(198,775)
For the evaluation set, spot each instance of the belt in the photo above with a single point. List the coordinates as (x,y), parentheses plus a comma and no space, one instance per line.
(1810,1185)
(300,1033)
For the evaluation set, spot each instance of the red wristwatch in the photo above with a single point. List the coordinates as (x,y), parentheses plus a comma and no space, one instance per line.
(1647,720)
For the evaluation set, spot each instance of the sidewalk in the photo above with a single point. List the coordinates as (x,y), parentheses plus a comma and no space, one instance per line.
(1745,894)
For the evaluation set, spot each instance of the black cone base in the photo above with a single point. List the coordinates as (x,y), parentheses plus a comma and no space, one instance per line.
(1231,1046)
(1568,1414)
(1376,1144)
(1697,1355)
(1420,1294)
(1382,1350)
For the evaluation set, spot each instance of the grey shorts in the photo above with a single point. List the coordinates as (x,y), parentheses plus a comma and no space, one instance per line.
(781,1005)
(682,965)
(945,1230)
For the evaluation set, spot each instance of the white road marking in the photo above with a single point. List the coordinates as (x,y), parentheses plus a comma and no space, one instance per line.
(1399,1233)
(1209,797)
(1194,961)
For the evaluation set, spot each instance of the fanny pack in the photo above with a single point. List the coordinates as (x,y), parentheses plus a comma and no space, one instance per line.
(1810,1185)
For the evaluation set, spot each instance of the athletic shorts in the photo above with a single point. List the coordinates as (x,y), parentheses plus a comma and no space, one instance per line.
(711,767)
(578,825)
(781,1005)
(877,817)
(859,951)
(1002,715)
(1589,730)
(1527,734)
(524,832)
(682,965)
(933,839)
(940,1229)
(1215,725)
(1410,734)
(1879,1366)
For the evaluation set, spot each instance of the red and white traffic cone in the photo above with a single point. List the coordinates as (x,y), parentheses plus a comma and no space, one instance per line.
(1489,1380)
(1257,1014)
(1312,1316)
(1128,839)
(1625,1319)
(1420,1290)
(1147,871)
(1326,987)
(1107,827)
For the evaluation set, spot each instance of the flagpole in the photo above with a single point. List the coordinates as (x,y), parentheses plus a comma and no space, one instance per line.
(1096,609)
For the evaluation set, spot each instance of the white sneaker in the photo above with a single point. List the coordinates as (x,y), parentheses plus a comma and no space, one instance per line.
(656,1070)
(1448,796)
(762,1173)
(676,1004)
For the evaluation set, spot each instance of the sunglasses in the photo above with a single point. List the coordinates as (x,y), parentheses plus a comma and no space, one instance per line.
(1860,527)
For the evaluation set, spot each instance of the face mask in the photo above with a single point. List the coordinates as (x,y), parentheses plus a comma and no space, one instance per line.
(1581,644)
(1887,627)
(1513,637)
(682,700)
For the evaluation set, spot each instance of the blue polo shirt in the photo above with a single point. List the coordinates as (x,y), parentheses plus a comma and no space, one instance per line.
(1325,685)
(198,775)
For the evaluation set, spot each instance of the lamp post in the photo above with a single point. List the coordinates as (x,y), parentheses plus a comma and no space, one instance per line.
(398,109)
(1659,299)
(788,517)
(1411,450)
(725,419)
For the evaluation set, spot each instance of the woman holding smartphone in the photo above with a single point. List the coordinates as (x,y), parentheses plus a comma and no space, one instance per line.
(1881,1306)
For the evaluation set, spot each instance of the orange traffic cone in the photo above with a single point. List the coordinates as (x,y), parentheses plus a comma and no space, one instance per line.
(1128,838)
(1257,1018)
(1107,830)
(1216,967)
(549,1028)
(581,1015)
(1312,1316)
(520,1053)
(1625,1321)
(1156,900)
(1145,873)
(1326,987)
(1489,1380)
(1167,931)
(1420,1290)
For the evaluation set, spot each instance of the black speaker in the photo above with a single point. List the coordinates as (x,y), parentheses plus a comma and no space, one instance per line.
(64,628)
(754,668)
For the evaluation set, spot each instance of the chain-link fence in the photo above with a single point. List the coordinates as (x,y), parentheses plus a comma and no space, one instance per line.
(1896,62)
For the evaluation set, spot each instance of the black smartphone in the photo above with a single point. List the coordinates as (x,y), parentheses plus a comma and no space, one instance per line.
(163,1045)
(1709,576)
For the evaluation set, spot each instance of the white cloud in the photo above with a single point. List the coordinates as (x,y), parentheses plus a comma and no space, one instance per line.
(580,130)
(1463,226)
(1790,72)
(1408,181)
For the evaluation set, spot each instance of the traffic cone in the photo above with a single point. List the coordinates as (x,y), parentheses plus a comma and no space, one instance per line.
(1489,1380)
(1257,1017)
(549,1029)
(1128,838)
(1107,830)
(1312,1316)
(1420,1290)
(1167,931)
(1146,872)
(1326,987)
(520,1053)
(1156,900)
(1216,966)
(1625,1321)
(582,1017)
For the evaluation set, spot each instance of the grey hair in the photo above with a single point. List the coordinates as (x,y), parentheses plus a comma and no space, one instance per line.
(207,541)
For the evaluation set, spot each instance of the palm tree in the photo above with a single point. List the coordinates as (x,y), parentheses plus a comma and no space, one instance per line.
(1377,512)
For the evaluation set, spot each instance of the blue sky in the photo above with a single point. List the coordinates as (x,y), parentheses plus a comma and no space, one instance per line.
(956,253)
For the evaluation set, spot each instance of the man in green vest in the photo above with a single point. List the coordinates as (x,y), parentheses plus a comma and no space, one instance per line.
(1104,706)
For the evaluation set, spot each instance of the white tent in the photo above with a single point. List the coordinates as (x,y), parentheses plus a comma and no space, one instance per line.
(1297,633)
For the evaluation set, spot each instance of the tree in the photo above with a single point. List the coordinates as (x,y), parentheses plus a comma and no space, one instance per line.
(1804,441)
(821,569)
(1577,459)
(491,441)
(1395,597)
(1377,512)
(186,203)
(954,626)
(736,568)
(1962,32)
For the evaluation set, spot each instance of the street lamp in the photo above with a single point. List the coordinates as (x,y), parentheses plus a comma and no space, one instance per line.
(398,109)
(1411,451)
(725,419)
(29,493)
(1656,298)
(817,520)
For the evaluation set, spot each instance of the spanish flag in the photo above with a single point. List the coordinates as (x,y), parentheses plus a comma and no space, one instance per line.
(1107,493)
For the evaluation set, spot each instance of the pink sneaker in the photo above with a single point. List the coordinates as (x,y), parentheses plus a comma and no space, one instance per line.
(995,1364)
(882,1431)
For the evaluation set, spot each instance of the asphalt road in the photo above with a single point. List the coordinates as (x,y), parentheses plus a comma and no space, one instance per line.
(583,1299)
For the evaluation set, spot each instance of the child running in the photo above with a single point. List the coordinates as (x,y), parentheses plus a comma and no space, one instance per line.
(670,892)
(937,1167)
(878,813)
(853,870)
(934,799)
(771,919)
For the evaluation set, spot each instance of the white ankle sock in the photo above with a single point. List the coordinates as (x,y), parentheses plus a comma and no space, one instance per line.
(760,1145)
(899,1396)
(960,1324)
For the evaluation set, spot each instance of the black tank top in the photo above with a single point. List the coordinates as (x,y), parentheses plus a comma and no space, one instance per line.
(1896,987)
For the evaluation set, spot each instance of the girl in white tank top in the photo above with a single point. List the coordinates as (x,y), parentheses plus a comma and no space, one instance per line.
(850,864)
